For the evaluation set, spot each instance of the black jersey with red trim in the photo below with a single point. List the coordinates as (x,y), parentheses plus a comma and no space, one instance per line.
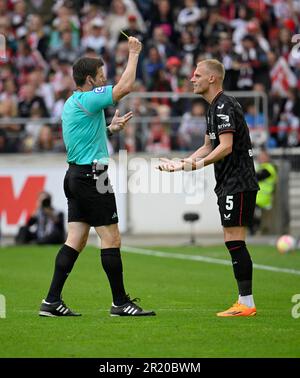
(235,173)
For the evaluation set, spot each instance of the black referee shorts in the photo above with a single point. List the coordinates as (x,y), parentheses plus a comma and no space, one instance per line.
(85,203)
(237,209)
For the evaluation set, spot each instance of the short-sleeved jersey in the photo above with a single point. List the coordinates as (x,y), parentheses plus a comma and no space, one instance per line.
(235,172)
(84,126)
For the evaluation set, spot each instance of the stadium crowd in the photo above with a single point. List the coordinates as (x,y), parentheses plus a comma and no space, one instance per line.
(255,39)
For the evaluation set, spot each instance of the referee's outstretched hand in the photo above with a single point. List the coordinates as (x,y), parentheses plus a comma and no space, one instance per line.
(118,123)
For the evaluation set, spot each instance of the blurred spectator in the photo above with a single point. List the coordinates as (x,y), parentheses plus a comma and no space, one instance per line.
(96,38)
(192,130)
(257,125)
(284,43)
(62,79)
(133,30)
(66,51)
(173,66)
(152,63)
(215,25)
(66,20)
(41,7)
(239,23)
(18,16)
(30,100)
(32,129)
(117,19)
(37,37)
(3,142)
(230,59)
(288,128)
(11,132)
(161,41)
(45,140)
(254,29)
(45,226)
(159,138)
(160,83)
(252,62)
(162,15)
(27,59)
(191,13)
(42,87)
(188,50)
(10,41)
(266,174)
(9,91)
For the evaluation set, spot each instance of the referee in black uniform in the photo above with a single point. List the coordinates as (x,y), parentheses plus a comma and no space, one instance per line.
(85,137)
(227,145)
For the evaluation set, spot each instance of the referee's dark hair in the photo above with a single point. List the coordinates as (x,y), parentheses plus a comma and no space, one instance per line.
(85,66)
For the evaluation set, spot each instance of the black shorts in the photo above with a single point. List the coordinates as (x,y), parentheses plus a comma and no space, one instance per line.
(237,209)
(85,202)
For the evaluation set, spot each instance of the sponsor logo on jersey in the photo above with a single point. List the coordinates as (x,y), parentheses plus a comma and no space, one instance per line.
(224,126)
(100,90)
(227,216)
(220,106)
(223,117)
(250,153)
(212,136)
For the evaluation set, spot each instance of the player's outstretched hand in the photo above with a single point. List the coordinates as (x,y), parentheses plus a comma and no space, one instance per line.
(134,45)
(118,123)
(168,165)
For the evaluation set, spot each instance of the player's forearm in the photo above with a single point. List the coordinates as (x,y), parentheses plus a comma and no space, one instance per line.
(201,152)
(217,154)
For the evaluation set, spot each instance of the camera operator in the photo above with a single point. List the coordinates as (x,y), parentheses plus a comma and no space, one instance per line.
(45,226)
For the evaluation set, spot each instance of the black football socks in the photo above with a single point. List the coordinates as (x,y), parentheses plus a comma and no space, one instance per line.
(242,266)
(112,265)
(64,263)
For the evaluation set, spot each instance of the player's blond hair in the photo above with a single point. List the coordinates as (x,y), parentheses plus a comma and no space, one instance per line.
(214,66)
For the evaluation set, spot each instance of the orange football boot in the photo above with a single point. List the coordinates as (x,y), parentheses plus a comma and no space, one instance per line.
(238,309)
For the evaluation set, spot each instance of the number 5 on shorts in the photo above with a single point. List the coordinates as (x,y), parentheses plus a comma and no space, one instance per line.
(229,202)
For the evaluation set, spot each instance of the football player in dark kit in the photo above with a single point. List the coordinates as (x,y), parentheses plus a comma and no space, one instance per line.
(85,136)
(227,145)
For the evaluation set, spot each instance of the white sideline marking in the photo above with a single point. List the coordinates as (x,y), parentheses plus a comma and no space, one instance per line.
(212,260)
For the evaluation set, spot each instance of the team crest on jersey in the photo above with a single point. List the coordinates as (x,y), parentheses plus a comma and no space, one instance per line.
(100,90)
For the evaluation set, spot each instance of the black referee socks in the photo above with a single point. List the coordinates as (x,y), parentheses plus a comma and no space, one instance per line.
(242,265)
(64,263)
(112,265)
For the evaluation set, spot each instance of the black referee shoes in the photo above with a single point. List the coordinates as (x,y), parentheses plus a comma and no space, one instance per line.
(55,309)
(61,309)
(130,309)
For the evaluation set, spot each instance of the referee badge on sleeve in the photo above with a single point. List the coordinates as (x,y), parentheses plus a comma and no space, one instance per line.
(100,90)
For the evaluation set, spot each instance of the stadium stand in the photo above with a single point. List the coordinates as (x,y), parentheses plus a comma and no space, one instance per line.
(256,41)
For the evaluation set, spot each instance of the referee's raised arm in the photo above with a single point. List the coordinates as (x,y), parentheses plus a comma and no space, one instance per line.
(127,79)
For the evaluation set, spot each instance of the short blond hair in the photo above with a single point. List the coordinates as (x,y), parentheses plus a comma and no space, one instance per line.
(215,66)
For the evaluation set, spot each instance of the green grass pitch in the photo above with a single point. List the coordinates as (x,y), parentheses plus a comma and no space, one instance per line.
(186,295)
